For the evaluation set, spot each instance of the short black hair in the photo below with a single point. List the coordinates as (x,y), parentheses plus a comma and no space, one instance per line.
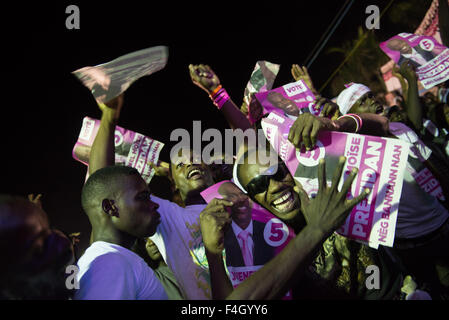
(101,180)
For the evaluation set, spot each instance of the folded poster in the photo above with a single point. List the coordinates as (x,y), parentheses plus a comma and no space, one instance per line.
(262,79)
(131,148)
(108,80)
(291,99)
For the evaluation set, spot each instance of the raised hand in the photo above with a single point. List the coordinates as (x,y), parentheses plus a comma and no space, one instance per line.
(36,199)
(112,107)
(408,71)
(301,73)
(203,76)
(306,128)
(161,169)
(330,109)
(330,208)
(214,220)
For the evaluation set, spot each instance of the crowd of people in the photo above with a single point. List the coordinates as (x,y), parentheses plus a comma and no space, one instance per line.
(145,247)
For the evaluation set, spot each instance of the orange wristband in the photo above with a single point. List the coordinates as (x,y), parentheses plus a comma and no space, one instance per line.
(213,93)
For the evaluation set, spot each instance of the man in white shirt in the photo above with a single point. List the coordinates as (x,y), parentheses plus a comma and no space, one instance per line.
(178,236)
(117,202)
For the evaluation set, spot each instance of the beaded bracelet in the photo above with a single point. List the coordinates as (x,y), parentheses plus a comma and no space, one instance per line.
(219,97)
(358,120)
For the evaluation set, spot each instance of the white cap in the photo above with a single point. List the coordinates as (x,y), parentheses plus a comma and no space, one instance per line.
(350,95)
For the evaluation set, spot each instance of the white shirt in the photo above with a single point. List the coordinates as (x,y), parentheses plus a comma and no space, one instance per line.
(419,213)
(415,56)
(249,240)
(179,240)
(111,272)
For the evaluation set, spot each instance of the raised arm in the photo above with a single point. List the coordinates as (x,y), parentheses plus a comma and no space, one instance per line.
(103,149)
(301,73)
(306,127)
(413,105)
(214,220)
(206,79)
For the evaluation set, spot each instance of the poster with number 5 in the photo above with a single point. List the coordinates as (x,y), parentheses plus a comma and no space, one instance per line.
(381,163)
(254,237)
(427,55)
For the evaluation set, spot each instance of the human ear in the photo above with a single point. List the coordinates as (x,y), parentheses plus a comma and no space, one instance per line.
(109,207)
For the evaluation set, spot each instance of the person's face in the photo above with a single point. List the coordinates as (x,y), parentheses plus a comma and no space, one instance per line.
(137,214)
(285,104)
(33,241)
(400,45)
(241,208)
(274,192)
(152,250)
(190,178)
(367,104)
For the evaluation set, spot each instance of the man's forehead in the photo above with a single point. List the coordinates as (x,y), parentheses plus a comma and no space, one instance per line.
(250,171)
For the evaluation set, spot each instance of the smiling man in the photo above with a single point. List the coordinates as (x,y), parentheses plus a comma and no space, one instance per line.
(276,190)
(273,190)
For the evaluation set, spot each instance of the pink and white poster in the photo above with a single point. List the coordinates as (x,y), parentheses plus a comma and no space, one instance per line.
(131,148)
(429,27)
(427,55)
(291,99)
(269,235)
(381,163)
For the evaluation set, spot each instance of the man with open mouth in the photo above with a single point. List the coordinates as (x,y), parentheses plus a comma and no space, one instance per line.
(274,188)
(422,229)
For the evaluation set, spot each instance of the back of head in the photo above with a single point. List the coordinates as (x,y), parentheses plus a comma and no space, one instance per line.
(101,184)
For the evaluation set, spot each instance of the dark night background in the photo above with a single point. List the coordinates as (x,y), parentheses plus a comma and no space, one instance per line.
(43,104)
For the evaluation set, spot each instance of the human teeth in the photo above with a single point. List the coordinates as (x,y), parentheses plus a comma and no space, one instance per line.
(282,199)
(194,172)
